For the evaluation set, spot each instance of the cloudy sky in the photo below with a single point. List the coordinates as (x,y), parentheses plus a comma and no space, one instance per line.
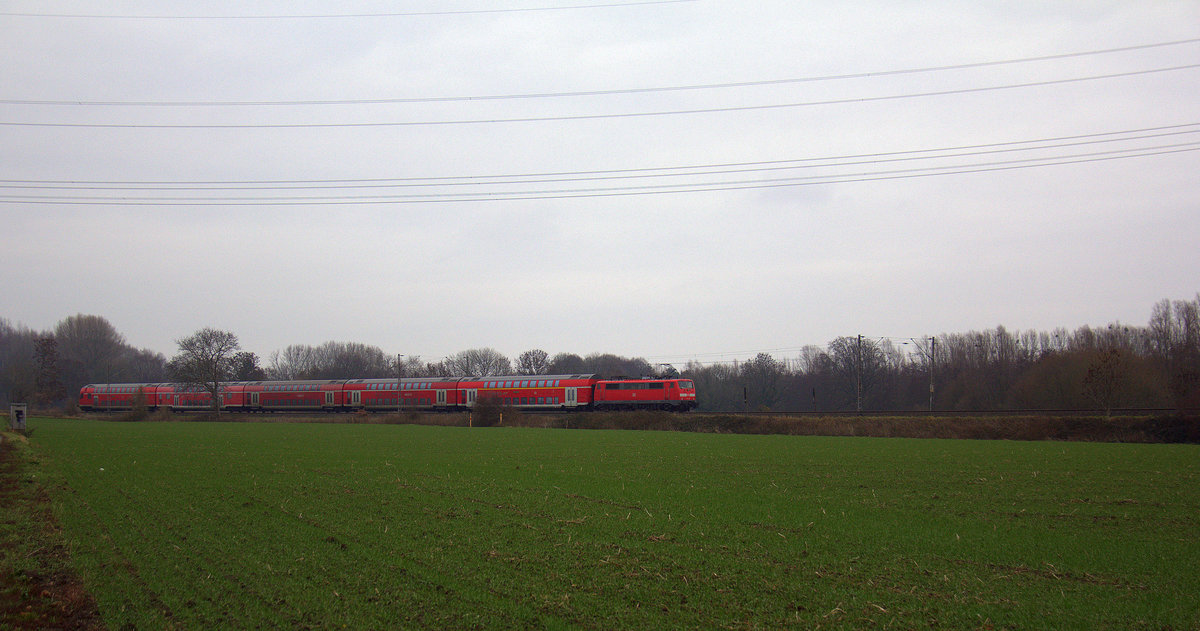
(680,180)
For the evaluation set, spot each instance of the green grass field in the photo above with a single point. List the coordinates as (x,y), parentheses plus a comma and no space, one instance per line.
(239,525)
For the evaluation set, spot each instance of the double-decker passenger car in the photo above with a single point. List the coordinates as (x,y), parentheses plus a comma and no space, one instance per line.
(531,392)
(381,395)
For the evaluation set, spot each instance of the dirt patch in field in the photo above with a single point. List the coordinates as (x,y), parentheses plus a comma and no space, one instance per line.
(38,588)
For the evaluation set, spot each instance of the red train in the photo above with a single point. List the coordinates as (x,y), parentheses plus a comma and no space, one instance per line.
(526,392)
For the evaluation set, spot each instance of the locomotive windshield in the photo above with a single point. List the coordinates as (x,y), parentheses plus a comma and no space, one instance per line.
(686,385)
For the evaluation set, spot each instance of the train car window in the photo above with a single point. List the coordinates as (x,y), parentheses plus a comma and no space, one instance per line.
(656,385)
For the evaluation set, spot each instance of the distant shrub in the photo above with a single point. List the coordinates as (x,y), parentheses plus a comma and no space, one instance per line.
(490,412)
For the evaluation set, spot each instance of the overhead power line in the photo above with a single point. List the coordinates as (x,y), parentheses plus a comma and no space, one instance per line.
(323,16)
(585,93)
(581,117)
(594,116)
(661,172)
(535,194)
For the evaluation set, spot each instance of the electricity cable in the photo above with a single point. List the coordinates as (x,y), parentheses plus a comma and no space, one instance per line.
(477,181)
(608,116)
(582,93)
(684,170)
(614,191)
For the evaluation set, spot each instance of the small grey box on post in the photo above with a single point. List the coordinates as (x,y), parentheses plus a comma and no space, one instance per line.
(16,416)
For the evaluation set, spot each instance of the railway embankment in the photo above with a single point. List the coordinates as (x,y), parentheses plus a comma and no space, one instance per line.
(1141,428)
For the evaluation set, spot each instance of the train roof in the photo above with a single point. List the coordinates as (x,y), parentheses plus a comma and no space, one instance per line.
(403,379)
(527,377)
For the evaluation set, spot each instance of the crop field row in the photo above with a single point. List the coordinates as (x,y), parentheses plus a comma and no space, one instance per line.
(240,525)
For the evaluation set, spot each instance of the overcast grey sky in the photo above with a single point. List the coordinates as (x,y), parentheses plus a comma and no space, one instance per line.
(299,172)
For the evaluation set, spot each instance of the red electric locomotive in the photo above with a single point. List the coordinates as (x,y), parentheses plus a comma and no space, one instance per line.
(653,394)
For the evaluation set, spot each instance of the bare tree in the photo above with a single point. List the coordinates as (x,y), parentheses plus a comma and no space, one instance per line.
(142,365)
(859,365)
(17,374)
(90,349)
(611,365)
(349,360)
(1105,379)
(566,364)
(291,362)
(49,387)
(533,362)
(412,366)
(478,362)
(762,375)
(331,360)
(205,361)
(246,368)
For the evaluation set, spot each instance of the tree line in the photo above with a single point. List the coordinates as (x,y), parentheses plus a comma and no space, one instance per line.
(1113,367)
